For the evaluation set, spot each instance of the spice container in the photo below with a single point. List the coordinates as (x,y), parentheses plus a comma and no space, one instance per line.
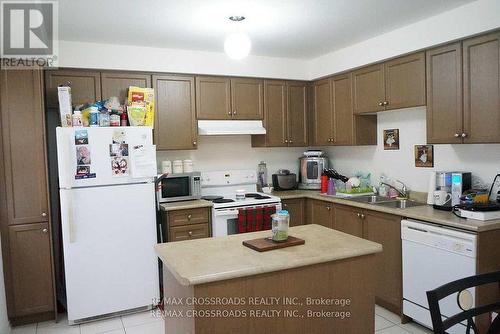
(104,119)
(114,120)
(77,119)
(94,117)
(240,194)
(280,225)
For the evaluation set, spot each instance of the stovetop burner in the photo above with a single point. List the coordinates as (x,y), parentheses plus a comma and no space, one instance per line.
(211,198)
(223,200)
(256,196)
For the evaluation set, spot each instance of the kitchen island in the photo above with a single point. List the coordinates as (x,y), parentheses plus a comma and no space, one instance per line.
(217,285)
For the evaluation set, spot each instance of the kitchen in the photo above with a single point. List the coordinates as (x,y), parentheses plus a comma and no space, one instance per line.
(425,102)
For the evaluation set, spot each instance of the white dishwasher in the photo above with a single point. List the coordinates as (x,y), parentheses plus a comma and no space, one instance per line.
(432,256)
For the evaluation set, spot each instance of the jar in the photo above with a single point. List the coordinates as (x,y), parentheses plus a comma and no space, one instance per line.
(280,225)
(187,166)
(77,119)
(240,194)
(166,167)
(177,167)
(94,117)
(114,120)
(104,119)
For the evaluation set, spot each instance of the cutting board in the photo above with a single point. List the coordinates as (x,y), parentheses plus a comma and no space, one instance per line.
(267,244)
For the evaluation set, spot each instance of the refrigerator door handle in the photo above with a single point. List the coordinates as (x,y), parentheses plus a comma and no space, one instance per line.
(71,224)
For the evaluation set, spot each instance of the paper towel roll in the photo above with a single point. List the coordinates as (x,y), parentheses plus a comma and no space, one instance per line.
(431,188)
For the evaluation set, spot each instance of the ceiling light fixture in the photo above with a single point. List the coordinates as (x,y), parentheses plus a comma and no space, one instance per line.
(237,45)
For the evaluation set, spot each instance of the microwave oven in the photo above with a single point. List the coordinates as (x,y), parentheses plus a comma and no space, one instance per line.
(179,187)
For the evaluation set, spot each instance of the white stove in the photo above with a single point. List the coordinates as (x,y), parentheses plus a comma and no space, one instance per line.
(221,187)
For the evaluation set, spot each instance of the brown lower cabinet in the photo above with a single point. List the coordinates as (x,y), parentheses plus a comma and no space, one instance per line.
(348,220)
(296,210)
(31,269)
(320,212)
(186,224)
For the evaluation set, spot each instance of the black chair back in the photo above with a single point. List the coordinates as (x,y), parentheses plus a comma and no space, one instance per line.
(468,312)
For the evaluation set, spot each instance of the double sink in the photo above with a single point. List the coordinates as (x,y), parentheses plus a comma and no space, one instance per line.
(386,202)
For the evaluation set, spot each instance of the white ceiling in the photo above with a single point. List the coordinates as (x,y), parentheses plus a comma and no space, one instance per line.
(280,28)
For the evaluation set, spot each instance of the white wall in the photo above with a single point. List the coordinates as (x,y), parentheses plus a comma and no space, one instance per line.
(482,160)
(138,58)
(467,20)
(235,152)
(4,321)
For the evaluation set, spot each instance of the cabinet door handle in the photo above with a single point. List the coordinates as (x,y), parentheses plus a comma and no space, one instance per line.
(234,112)
(45,230)
(44,214)
(457,135)
(386,103)
(328,208)
(190,233)
(229,113)
(194,142)
(464,135)
(362,216)
(290,141)
(286,141)
(380,104)
(359,215)
(189,216)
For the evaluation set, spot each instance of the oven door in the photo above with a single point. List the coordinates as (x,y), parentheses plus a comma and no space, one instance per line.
(225,222)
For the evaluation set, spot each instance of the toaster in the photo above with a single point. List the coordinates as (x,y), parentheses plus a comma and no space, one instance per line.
(284,180)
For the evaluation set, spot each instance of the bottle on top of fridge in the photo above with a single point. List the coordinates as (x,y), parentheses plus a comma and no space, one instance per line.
(94,117)
(261,176)
(77,119)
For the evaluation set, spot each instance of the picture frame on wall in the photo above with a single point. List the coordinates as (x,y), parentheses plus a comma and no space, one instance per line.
(424,155)
(391,139)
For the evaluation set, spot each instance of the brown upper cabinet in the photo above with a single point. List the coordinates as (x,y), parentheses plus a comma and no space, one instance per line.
(222,98)
(481,74)
(175,121)
(395,84)
(117,83)
(333,120)
(444,94)
(85,86)
(285,114)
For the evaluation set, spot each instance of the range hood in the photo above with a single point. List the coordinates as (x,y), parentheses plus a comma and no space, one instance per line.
(218,128)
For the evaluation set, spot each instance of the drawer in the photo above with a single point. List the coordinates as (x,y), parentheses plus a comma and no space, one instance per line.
(188,216)
(188,232)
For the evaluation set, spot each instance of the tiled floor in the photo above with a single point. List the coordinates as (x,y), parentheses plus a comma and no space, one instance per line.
(145,323)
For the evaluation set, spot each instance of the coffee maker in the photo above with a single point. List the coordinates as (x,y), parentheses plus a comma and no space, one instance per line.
(454,184)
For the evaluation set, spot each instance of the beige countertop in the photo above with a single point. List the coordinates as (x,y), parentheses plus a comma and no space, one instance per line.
(199,203)
(424,212)
(208,260)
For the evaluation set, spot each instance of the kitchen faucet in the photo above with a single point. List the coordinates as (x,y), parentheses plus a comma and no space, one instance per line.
(404,190)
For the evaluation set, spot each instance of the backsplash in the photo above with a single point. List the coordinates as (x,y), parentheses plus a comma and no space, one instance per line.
(483,160)
(235,152)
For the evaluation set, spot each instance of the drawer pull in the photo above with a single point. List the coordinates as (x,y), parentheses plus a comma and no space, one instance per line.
(44,214)
(45,230)
(190,233)
(189,216)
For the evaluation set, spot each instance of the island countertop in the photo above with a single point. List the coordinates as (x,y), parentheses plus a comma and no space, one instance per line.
(208,260)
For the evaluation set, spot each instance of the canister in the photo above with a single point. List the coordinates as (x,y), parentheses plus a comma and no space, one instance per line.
(280,225)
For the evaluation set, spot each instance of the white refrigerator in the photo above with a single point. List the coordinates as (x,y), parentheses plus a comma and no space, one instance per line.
(108,218)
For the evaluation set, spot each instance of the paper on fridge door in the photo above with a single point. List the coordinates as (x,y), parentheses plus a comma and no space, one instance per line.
(143,161)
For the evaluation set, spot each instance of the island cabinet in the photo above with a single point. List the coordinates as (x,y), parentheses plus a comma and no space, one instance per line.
(296,210)
(24,206)
(332,116)
(222,98)
(186,224)
(320,212)
(395,84)
(384,229)
(115,83)
(175,120)
(285,115)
